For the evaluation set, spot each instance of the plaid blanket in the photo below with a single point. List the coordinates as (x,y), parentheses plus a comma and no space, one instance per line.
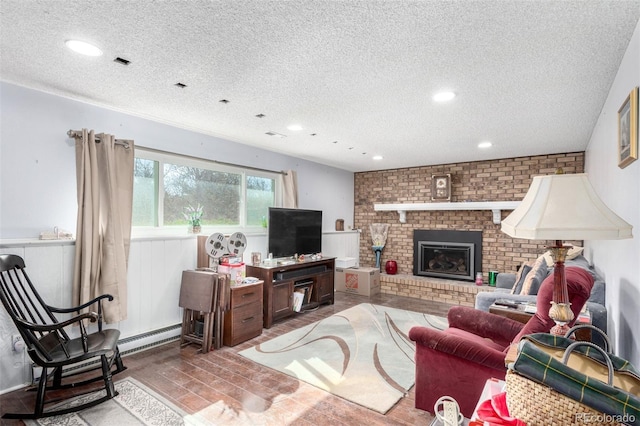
(536,362)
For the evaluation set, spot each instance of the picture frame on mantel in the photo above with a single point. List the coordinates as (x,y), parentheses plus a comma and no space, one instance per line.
(628,130)
(441,187)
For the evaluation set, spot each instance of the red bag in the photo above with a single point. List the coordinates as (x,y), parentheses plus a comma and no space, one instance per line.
(494,411)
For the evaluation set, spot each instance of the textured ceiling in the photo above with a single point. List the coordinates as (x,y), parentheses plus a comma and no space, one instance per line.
(530,76)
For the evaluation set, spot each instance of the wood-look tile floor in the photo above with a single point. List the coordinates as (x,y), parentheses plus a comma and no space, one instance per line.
(225,388)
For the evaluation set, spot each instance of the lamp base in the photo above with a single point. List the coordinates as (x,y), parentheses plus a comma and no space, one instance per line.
(560,310)
(562,314)
(559,330)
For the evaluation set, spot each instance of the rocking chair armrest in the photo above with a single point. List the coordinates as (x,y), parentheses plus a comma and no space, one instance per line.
(84,305)
(91,316)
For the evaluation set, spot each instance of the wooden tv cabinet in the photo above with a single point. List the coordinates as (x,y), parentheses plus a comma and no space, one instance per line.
(280,281)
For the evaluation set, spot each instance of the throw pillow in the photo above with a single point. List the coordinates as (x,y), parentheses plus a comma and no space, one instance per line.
(573,252)
(520,277)
(534,278)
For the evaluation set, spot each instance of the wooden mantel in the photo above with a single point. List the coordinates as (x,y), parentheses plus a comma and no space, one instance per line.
(495,206)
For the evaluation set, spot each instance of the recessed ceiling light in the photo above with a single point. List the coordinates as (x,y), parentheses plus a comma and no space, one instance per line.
(294,127)
(443,96)
(485,144)
(83,48)
(377,157)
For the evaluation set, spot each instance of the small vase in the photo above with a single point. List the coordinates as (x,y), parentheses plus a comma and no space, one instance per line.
(391,267)
(196,229)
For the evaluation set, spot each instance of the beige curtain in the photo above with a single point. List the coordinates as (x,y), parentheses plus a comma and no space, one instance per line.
(104,172)
(290,196)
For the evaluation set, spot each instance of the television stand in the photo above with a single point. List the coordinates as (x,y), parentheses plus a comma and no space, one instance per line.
(280,282)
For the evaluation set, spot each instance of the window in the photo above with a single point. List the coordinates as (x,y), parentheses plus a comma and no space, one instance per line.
(232,198)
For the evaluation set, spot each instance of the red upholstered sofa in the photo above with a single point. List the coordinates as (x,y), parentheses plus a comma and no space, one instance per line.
(459,360)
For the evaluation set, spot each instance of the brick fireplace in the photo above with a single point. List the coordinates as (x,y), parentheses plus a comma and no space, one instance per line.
(493,180)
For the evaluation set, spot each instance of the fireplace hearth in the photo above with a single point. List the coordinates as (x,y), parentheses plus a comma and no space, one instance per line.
(447,254)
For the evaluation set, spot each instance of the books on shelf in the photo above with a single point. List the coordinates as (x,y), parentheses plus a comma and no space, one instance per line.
(302,296)
(298,299)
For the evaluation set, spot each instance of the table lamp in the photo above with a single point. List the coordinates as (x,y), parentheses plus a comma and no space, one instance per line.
(563,207)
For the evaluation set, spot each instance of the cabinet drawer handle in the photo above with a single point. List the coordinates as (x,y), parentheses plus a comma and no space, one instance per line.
(247,294)
(247,319)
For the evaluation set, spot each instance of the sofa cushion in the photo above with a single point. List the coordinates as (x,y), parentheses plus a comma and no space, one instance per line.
(520,277)
(530,276)
(534,278)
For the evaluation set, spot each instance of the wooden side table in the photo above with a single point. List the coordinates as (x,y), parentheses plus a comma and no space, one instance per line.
(518,314)
(243,320)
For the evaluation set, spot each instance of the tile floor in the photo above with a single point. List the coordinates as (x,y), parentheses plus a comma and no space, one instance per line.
(226,388)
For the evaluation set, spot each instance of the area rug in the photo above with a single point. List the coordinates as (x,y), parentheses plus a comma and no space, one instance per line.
(135,404)
(362,354)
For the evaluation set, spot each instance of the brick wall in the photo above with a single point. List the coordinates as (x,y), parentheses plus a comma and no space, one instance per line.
(493,180)
(434,289)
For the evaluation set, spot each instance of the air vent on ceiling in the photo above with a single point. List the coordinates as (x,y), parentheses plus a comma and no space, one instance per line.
(277,135)
(180,85)
(122,61)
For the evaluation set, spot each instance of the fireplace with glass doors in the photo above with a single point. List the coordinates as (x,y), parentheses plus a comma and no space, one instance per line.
(447,254)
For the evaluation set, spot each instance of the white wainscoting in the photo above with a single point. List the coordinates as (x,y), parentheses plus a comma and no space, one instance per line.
(341,244)
(155,271)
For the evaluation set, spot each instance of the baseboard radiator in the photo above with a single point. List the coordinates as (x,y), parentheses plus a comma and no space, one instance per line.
(150,339)
(127,346)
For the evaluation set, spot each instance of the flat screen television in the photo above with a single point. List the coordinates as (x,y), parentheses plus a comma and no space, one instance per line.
(294,231)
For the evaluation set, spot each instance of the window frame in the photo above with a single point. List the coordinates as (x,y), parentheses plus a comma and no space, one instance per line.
(183,160)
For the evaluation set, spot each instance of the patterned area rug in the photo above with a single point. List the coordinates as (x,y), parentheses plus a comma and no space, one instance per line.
(135,404)
(362,354)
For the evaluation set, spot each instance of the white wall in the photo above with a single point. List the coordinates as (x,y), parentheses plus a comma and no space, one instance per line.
(37,159)
(38,192)
(618,261)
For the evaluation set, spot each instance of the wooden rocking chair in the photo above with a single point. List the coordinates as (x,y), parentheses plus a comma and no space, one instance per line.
(49,346)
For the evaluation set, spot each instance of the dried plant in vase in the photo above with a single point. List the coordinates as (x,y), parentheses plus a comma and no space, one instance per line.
(378,238)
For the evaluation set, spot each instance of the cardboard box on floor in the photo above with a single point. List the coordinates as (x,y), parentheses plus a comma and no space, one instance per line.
(364,281)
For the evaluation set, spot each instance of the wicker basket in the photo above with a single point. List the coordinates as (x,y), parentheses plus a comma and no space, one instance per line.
(537,404)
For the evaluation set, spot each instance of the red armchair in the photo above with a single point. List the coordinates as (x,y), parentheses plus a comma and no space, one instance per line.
(459,360)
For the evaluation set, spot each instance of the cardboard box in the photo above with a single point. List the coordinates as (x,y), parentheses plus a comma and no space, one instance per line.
(346,262)
(364,281)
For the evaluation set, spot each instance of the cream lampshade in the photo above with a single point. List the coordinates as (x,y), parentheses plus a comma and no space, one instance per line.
(563,207)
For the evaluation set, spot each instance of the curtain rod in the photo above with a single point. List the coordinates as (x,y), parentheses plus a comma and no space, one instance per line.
(191,157)
(78,134)
(125,143)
